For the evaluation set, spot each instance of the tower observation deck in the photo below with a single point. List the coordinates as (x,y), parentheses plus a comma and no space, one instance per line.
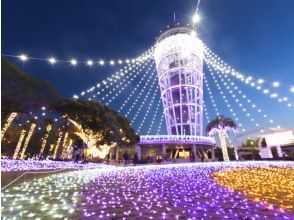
(179,62)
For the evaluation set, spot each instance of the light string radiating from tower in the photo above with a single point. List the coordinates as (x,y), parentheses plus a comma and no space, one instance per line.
(148,109)
(155,115)
(103,86)
(144,101)
(160,124)
(231,110)
(227,82)
(218,64)
(138,73)
(210,95)
(137,87)
(206,112)
(123,71)
(237,101)
(152,81)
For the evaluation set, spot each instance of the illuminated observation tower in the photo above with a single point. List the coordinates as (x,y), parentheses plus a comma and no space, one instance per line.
(179,56)
(179,62)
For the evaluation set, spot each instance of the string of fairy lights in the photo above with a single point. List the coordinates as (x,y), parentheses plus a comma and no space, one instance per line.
(142,91)
(154,83)
(206,112)
(124,85)
(160,124)
(244,110)
(53,60)
(148,110)
(143,80)
(147,55)
(155,115)
(227,82)
(231,110)
(259,84)
(140,69)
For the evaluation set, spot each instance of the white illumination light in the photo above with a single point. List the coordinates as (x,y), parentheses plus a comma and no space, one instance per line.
(111,62)
(73,62)
(101,62)
(89,62)
(276,84)
(196,18)
(260,81)
(75,96)
(23,57)
(52,60)
(292,89)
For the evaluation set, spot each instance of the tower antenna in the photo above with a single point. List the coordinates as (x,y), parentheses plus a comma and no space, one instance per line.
(196,17)
(174,17)
(197,7)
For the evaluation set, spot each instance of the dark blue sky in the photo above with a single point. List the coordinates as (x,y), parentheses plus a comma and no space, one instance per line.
(255,37)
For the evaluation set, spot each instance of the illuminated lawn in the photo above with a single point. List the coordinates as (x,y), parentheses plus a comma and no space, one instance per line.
(186,191)
(274,186)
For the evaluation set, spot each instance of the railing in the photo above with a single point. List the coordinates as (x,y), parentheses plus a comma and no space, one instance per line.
(186,139)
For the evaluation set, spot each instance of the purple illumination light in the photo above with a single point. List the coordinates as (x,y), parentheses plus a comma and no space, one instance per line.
(8,165)
(171,191)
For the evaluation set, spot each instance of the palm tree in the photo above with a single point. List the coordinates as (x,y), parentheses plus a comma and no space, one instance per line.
(222,125)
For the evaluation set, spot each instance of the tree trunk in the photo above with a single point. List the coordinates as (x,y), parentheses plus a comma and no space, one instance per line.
(222,137)
(7,124)
(48,129)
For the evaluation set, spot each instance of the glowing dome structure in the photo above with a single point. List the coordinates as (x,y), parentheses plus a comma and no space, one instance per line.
(179,62)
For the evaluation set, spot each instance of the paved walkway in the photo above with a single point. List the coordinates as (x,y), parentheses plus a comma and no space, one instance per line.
(185,191)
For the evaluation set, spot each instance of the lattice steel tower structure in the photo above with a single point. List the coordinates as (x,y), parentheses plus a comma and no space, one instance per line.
(179,62)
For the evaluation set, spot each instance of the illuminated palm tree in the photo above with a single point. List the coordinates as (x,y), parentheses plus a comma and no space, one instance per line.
(222,125)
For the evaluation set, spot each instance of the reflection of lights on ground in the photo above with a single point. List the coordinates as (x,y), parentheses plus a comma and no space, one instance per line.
(185,191)
(272,185)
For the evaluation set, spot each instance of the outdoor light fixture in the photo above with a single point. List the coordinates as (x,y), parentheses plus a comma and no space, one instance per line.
(276,84)
(23,57)
(111,62)
(101,62)
(73,62)
(292,89)
(89,62)
(196,18)
(260,81)
(75,96)
(52,60)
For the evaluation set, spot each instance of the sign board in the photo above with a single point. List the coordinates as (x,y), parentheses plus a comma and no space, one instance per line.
(280,139)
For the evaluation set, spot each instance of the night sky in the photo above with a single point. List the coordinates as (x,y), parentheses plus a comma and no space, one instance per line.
(254,37)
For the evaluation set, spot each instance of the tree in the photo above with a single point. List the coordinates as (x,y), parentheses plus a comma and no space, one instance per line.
(222,125)
(22,92)
(99,126)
